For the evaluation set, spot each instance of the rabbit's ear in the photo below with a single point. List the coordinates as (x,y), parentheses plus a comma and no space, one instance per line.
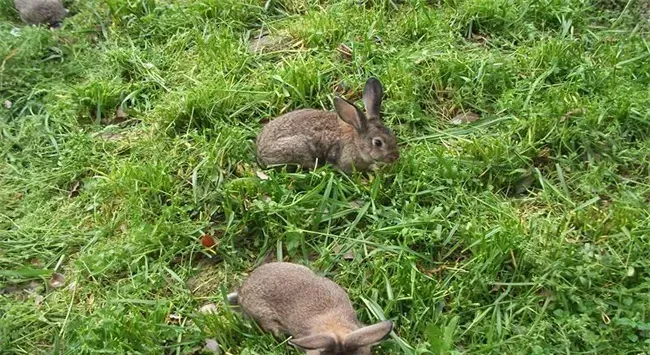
(372,95)
(368,335)
(350,114)
(313,342)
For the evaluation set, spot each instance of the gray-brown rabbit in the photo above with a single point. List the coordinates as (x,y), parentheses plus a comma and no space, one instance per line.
(286,298)
(35,12)
(311,137)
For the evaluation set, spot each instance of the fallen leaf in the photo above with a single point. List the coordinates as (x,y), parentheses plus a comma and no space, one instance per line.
(173,319)
(7,104)
(572,113)
(341,88)
(38,299)
(212,346)
(264,120)
(345,51)
(207,241)
(72,286)
(465,117)
(36,262)
(110,136)
(120,114)
(265,43)
(349,255)
(33,286)
(480,39)
(209,308)
(262,175)
(74,191)
(57,280)
(356,203)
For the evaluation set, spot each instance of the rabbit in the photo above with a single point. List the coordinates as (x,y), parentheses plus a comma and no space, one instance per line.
(287,298)
(35,12)
(309,137)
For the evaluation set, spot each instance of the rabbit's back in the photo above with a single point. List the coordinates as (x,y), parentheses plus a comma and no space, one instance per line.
(308,122)
(300,137)
(40,11)
(293,296)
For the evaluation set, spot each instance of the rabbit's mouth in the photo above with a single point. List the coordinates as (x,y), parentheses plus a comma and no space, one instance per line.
(393,157)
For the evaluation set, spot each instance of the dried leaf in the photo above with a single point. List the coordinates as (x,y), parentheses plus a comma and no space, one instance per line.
(341,88)
(57,280)
(36,262)
(262,175)
(38,299)
(120,114)
(209,308)
(356,203)
(265,43)
(345,51)
(482,40)
(74,191)
(207,240)
(465,117)
(349,255)
(110,136)
(212,346)
(33,285)
(7,104)
(173,319)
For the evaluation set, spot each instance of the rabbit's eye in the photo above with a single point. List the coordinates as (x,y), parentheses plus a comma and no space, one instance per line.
(377,142)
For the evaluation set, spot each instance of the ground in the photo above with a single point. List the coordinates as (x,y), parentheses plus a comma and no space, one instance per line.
(127,145)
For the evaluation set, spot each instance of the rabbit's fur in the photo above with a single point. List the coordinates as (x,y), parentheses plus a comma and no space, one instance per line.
(35,12)
(311,137)
(286,298)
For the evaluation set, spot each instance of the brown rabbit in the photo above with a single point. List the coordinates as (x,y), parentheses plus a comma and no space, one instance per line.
(35,12)
(286,298)
(311,137)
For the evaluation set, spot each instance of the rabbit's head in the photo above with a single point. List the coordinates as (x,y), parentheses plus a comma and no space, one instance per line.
(375,142)
(357,342)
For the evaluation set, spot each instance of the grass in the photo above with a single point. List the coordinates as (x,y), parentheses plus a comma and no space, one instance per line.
(527,231)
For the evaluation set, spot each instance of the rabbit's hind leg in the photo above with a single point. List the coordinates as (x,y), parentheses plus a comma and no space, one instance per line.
(297,149)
